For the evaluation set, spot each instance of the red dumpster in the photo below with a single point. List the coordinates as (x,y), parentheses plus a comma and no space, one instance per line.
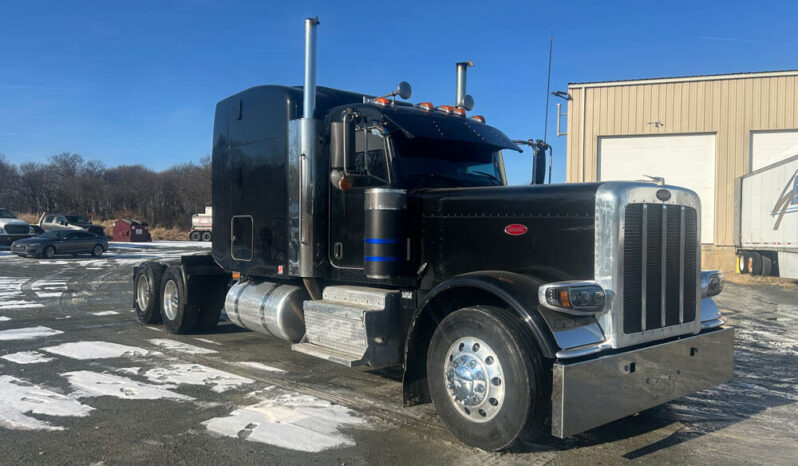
(128,229)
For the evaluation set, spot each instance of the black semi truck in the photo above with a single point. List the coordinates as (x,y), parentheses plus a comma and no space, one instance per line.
(369,231)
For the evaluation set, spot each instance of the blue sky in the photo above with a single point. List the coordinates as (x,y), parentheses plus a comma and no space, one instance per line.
(137,81)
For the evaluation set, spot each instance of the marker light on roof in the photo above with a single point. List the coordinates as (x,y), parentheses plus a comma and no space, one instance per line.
(426,106)
(446,108)
(382,101)
(459,111)
(478,118)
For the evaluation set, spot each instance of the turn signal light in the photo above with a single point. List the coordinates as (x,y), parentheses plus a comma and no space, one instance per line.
(573,297)
(479,118)
(236,275)
(426,106)
(383,101)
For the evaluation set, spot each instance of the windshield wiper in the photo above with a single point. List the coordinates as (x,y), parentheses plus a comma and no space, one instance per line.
(489,175)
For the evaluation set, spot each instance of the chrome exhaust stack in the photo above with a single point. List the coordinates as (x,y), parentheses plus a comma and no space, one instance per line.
(462,99)
(309,89)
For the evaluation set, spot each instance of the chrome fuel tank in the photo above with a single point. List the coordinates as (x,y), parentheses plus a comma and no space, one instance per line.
(268,308)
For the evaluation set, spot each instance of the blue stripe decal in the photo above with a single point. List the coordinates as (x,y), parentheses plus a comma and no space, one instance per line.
(381,241)
(382,258)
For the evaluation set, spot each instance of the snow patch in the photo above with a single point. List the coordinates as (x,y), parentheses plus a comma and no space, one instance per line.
(26,357)
(105,313)
(180,346)
(27,333)
(292,421)
(4,319)
(205,340)
(258,366)
(196,374)
(90,384)
(19,398)
(96,350)
(49,288)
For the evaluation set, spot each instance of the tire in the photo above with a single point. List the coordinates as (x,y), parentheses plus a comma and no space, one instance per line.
(48,252)
(194,236)
(508,404)
(176,315)
(97,250)
(206,236)
(767,264)
(147,299)
(754,263)
(741,263)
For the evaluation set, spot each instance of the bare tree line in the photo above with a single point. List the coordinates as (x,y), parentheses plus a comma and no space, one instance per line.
(67,183)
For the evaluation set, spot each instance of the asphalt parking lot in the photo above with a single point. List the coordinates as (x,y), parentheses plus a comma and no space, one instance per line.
(82,382)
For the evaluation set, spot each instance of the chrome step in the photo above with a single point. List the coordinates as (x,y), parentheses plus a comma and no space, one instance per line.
(352,326)
(328,354)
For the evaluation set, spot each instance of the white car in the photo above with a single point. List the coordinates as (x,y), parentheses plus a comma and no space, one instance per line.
(12,228)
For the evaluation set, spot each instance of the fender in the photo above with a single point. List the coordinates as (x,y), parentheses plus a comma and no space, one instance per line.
(516,292)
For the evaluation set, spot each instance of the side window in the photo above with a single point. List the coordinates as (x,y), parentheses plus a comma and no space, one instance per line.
(241,237)
(48,219)
(370,158)
(61,220)
(84,234)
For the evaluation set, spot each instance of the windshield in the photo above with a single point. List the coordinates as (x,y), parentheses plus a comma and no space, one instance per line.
(57,234)
(76,219)
(6,214)
(435,163)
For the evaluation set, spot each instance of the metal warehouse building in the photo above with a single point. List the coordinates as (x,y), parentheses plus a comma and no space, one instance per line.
(701,132)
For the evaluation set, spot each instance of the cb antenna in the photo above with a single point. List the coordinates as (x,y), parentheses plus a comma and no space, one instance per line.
(546,117)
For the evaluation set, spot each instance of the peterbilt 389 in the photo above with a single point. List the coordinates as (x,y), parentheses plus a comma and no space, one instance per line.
(370,231)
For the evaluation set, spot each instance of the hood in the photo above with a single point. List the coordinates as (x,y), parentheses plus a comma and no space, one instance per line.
(12,221)
(542,231)
(34,239)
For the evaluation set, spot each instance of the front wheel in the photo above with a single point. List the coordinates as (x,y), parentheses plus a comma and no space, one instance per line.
(97,250)
(486,378)
(48,252)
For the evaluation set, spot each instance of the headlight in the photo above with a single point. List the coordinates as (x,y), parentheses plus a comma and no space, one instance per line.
(711,283)
(31,231)
(573,297)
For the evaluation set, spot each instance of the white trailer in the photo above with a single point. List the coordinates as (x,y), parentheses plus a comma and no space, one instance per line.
(766,220)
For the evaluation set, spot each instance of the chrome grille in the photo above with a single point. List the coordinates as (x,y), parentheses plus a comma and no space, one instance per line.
(660,270)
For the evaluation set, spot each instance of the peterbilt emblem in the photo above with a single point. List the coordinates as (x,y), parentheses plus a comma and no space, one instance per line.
(663,194)
(515,229)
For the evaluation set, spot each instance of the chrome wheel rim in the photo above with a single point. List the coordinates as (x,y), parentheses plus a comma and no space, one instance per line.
(474,379)
(49,253)
(171,299)
(143,292)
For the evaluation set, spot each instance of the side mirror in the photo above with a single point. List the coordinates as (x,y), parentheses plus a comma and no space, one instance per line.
(342,148)
(404,90)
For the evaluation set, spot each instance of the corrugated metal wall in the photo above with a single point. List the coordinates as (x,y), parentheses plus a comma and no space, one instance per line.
(730,106)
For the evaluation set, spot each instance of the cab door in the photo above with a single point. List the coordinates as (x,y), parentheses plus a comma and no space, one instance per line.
(370,168)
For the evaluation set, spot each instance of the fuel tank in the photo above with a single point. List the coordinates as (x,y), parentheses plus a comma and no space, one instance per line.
(268,308)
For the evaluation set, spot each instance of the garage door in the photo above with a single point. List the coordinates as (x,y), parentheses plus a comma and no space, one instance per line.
(685,160)
(769,147)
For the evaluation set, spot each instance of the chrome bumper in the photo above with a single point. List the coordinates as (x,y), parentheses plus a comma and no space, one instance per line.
(591,393)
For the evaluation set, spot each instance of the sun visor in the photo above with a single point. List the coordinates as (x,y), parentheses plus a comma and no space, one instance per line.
(423,124)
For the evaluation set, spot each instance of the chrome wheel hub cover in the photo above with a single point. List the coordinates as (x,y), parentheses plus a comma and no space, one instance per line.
(474,379)
(171,300)
(143,292)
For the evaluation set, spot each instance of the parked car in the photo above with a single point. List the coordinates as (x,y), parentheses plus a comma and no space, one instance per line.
(51,221)
(12,228)
(55,242)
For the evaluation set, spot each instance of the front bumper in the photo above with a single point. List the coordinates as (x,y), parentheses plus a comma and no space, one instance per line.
(6,240)
(591,393)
